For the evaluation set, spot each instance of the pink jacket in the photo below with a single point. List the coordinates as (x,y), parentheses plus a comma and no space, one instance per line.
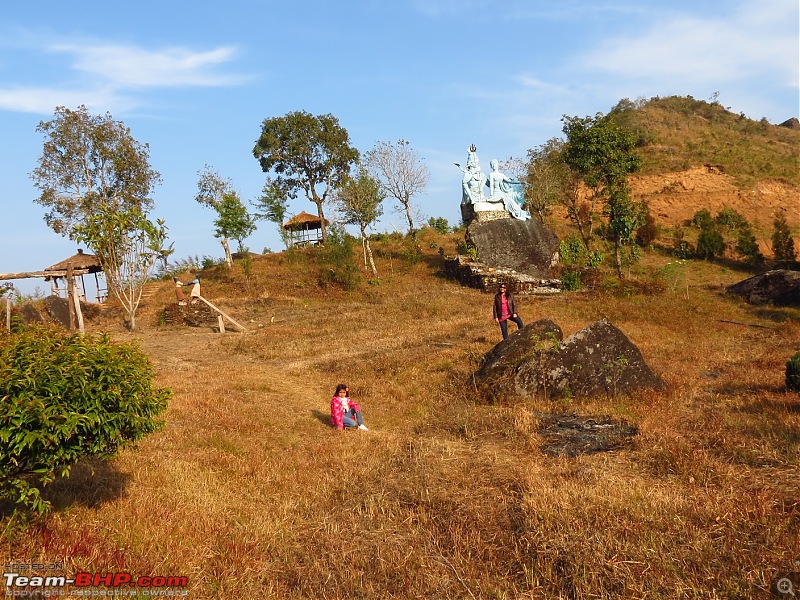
(337,411)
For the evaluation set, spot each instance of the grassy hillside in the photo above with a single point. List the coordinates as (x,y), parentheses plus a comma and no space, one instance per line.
(677,133)
(250,493)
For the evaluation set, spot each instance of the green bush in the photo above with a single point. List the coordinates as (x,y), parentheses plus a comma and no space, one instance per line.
(793,373)
(338,259)
(710,242)
(66,397)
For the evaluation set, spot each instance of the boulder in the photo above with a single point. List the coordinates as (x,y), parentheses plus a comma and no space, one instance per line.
(527,247)
(520,346)
(777,287)
(598,360)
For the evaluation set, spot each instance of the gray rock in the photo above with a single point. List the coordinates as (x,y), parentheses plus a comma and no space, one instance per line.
(598,360)
(527,247)
(778,287)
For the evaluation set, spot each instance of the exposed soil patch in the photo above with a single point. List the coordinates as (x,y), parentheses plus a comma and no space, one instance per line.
(571,435)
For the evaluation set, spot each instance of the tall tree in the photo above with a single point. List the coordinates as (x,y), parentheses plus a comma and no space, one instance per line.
(233,220)
(359,200)
(782,242)
(306,152)
(96,180)
(90,164)
(603,154)
(401,173)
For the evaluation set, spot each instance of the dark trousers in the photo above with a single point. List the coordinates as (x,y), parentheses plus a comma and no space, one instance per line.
(504,325)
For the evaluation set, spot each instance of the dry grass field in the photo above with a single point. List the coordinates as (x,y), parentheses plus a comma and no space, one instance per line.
(251,494)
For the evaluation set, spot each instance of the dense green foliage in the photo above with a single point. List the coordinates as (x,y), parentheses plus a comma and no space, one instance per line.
(306,153)
(603,153)
(66,397)
(782,242)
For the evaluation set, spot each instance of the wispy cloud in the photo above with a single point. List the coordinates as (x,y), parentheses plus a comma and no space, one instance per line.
(726,48)
(132,67)
(116,77)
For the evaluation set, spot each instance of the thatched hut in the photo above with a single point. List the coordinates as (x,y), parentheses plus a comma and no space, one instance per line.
(82,264)
(305,229)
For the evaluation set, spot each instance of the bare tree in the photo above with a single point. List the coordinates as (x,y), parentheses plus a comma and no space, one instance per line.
(401,174)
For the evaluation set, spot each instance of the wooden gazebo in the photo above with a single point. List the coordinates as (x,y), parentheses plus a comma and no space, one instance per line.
(305,229)
(80,264)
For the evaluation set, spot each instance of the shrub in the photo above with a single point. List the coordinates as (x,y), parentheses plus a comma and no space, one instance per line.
(337,256)
(710,242)
(647,233)
(793,373)
(66,397)
(782,242)
(747,246)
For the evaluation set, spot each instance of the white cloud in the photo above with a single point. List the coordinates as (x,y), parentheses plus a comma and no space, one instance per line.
(685,51)
(42,100)
(131,67)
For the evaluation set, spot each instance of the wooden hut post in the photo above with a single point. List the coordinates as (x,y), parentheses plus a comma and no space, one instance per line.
(70,286)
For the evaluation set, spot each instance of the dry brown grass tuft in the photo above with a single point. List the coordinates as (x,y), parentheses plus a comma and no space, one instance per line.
(250,493)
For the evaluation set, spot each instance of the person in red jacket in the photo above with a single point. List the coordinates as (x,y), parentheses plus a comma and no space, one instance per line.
(504,309)
(345,412)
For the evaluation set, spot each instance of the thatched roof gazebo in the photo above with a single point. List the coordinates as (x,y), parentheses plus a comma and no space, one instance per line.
(81,264)
(305,229)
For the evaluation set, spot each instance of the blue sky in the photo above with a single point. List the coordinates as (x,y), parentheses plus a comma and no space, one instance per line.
(195,80)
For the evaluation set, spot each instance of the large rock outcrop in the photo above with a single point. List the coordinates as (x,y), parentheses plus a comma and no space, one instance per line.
(598,360)
(527,247)
(778,287)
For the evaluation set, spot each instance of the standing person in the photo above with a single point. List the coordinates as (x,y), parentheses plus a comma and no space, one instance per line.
(179,291)
(195,293)
(504,309)
(345,412)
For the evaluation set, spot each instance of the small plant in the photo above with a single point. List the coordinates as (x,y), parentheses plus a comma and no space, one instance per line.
(793,373)
(571,280)
(614,371)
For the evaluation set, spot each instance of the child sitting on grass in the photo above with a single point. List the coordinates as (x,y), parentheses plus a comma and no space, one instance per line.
(345,412)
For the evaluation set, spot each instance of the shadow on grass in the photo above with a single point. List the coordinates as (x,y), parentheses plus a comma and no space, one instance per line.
(91,483)
(789,403)
(322,417)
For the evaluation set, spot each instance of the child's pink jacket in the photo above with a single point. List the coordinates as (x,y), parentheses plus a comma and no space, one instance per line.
(337,411)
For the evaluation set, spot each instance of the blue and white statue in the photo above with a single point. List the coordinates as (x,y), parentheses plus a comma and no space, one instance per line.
(503,190)
(507,190)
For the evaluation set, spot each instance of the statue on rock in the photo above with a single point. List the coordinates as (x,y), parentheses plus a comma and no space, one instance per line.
(505,193)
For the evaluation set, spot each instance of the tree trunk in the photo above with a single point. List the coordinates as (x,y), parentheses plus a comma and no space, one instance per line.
(410,221)
(227,247)
(618,256)
(321,215)
(368,253)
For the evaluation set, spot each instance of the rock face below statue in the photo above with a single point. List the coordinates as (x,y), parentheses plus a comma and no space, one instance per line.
(523,246)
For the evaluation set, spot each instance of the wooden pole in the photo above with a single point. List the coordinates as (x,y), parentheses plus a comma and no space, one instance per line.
(8,314)
(223,314)
(70,289)
(76,301)
(221,323)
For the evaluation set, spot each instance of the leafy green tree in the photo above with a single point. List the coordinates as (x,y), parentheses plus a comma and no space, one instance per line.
(273,206)
(90,164)
(360,202)
(306,153)
(782,241)
(92,169)
(128,245)
(233,220)
(603,154)
(747,246)
(401,173)
(439,225)
(710,242)
(64,397)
